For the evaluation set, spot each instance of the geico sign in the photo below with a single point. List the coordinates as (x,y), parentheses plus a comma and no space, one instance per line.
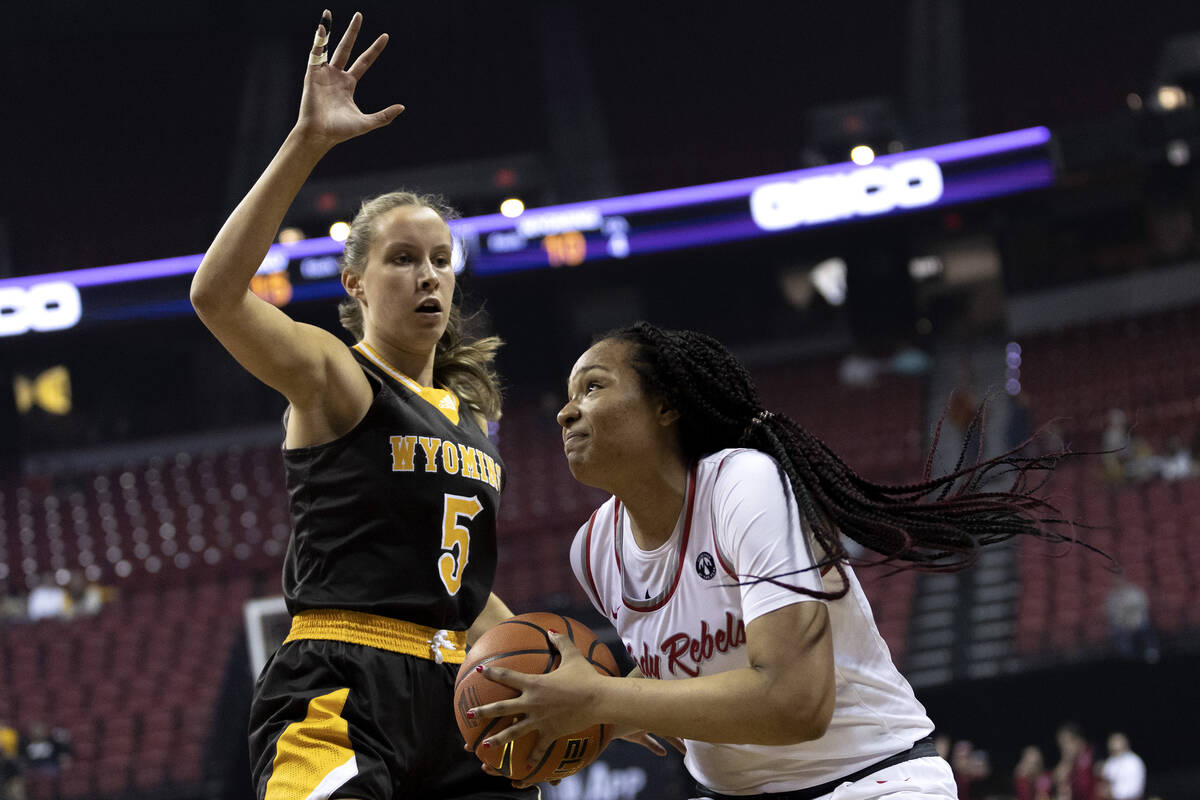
(857,192)
(50,306)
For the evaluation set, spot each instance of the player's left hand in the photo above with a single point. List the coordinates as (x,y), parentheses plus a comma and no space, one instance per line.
(549,706)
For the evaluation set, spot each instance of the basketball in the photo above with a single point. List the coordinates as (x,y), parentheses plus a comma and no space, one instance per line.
(522,643)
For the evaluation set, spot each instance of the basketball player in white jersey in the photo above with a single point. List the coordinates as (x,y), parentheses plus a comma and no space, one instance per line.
(718,561)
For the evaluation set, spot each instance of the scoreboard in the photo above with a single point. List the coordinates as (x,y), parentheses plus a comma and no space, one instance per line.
(620,227)
(573,234)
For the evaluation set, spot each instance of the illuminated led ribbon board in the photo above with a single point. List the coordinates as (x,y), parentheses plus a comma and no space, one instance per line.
(575,233)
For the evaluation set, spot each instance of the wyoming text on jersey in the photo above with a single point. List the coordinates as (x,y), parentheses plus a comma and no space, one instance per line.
(432,454)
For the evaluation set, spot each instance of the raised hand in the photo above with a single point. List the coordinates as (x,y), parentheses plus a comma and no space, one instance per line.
(328,113)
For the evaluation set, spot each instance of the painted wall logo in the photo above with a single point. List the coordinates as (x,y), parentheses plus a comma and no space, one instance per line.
(601,781)
(855,192)
(705,566)
(50,306)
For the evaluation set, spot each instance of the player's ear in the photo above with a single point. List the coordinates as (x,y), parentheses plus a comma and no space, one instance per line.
(352,283)
(666,414)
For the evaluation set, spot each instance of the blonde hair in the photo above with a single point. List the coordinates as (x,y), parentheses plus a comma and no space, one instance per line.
(461,363)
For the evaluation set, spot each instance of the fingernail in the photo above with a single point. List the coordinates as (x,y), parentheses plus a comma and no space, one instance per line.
(552,630)
(479,668)
(487,742)
(471,714)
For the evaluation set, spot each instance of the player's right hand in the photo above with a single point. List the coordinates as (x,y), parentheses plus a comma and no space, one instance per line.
(328,113)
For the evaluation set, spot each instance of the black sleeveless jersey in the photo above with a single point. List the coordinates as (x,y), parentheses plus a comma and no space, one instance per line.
(397,517)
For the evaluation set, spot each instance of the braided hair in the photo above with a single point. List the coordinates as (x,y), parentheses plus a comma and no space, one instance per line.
(937,524)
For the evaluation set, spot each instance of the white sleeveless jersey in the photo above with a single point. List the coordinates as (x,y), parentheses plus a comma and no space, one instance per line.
(680,613)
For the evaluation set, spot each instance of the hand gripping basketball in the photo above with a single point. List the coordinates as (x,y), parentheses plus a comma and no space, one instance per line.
(529,720)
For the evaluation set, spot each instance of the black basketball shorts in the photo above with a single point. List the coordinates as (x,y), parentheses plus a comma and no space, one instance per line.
(334,719)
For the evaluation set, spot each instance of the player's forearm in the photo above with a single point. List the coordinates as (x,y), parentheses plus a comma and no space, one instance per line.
(744,706)
(239,248)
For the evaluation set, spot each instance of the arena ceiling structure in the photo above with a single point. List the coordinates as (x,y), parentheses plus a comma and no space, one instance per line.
(134,130)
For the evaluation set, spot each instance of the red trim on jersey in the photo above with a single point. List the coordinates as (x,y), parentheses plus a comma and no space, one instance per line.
(716,546)
(725,565)
(683,543)
(616,531)
(587,559)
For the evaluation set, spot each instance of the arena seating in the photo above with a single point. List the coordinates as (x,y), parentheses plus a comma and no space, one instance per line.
(1150,368)
(182,512)
(877,429)
(135,685)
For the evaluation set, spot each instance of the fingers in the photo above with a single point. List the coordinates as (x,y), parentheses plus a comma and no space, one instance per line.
(385,117)
(503,675)
(317,56)
(653,745)
(342,54)
(644,739)
(563,644)
(490,711)
(368,56)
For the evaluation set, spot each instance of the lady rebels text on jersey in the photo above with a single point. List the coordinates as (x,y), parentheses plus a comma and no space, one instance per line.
(681,614)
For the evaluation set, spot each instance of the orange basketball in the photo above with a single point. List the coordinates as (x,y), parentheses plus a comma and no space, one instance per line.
(522,644)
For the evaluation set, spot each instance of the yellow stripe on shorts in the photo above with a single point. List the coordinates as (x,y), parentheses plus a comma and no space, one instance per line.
(313,757)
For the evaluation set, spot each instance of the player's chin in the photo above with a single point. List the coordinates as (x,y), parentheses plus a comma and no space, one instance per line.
(432,323)
(580,468)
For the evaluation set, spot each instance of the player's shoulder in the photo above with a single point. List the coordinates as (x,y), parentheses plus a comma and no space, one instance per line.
(737,463)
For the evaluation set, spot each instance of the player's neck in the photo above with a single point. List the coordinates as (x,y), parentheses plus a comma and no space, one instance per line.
(654,502)
(416,365)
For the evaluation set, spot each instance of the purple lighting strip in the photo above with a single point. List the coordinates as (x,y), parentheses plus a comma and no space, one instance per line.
(162,267)
(742,187)
(1006,180)
(628,204)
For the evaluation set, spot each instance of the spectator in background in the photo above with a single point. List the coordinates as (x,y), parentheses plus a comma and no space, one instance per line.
(87,597)
(1031,779)
(1128,611)
(12,606)
(48,600)
(1143,463)
(11,785)
(46,753)
(942,743)
(1176,462)
(1075,777)
(1124,772)
(969,765)
(1115,444)
(45,750)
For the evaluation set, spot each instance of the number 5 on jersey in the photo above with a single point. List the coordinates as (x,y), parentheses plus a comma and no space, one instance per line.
(456,539)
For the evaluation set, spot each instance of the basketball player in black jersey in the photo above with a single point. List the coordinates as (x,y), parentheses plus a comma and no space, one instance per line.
(393,482)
